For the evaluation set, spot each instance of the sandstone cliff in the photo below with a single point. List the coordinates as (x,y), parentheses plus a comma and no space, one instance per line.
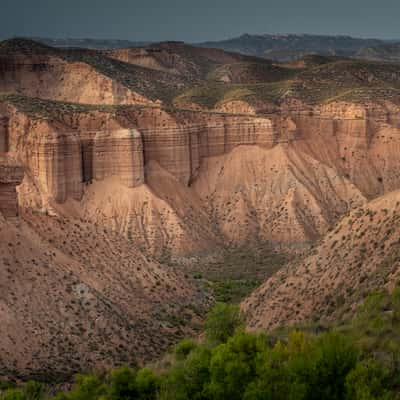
(283,178)
(119,153)
(11,175)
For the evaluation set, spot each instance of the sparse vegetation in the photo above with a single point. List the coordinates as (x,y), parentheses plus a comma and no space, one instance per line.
(210,83)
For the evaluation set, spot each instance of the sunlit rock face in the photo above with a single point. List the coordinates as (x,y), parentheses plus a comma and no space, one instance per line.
(119,153)
(284,178)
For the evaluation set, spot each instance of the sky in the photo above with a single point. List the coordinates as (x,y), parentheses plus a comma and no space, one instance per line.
(196,21)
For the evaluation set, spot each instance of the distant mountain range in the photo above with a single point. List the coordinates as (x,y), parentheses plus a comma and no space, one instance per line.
(97,44)
(289,47)
(279,47)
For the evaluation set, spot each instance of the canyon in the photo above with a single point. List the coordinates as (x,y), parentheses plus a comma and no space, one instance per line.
(123,171)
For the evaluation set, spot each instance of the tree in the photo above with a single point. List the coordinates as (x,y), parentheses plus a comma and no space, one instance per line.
(12,394)
(147,384)
(122,384)
(368,381)
(187,379)
(335,356)
(282,372)
(222,321)
(184,348)
(33,390)
(233,366)
(87,387)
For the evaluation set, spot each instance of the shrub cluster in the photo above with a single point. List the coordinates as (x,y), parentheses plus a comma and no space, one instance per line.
(232,364)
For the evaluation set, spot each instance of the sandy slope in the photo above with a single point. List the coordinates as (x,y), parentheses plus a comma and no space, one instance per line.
(73,295)
(360,254)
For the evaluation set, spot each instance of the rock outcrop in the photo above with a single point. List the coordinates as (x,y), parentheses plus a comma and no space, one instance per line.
(294,172)
(182,145)
(62,162)
(3,135)
(119,153)
(59,166)
(11,175)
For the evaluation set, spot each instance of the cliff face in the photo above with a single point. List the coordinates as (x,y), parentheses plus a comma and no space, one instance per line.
(60,158)
(285,178)
(360,142)
(119,153)
(181,142)
(59,166)
(11,175)
(3,135)
(64,154)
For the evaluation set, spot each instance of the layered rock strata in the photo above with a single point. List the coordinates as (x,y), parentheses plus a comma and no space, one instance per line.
(292,173)
(3,135)
(60,166)
(11,175)
(119,153)
(180,149)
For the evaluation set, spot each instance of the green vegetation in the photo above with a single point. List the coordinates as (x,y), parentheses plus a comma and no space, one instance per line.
(233,290)
(356,360)
(239,271)
(214,95)
(339,79)
(222,322)
(251,71)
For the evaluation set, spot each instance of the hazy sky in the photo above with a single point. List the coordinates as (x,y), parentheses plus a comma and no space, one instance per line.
(198,20)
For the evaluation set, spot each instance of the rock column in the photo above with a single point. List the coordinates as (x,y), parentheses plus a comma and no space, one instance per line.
(119,153)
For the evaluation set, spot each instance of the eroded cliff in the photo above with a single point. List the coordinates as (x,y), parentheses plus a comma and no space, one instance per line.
(284,178)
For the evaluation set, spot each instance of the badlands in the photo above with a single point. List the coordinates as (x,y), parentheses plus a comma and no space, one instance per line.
(129,177)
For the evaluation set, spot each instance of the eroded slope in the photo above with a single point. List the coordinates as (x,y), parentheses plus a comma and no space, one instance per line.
(360,254)
(75,295)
